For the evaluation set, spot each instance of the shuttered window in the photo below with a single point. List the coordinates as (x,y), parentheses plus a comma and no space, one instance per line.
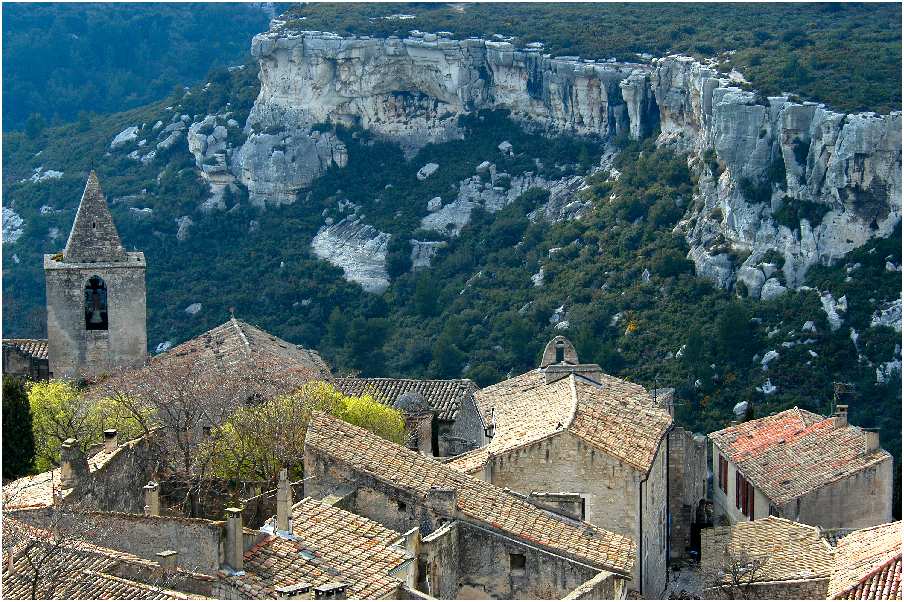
(750,497)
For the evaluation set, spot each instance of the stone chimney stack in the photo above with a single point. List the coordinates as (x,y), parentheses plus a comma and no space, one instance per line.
(841,415)
(330,591)
(870,441)
(111,440)
(73,464)
(167,561)
(235,546)
(152,499)
(283,502)
(443,501)
(296,591)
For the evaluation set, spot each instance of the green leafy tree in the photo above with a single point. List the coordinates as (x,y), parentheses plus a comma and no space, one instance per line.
(18,440)
(35,125)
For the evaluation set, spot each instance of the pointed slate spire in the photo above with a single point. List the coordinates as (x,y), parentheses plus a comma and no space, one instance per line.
(93,236)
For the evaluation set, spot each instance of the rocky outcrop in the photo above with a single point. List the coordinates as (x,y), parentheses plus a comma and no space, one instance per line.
(793,178)
(359,249)
(410,91)
(779,180)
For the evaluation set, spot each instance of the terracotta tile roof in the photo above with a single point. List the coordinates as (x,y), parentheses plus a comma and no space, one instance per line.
(235,349)
(616,417)
(444,396)
(477,501)
(332,545)
(868,565)
(790,550)
(794,452)
(37,490)
(75,570)
(235,342)
(33,347)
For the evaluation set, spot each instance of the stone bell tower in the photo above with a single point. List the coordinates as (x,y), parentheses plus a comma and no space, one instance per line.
(96,297)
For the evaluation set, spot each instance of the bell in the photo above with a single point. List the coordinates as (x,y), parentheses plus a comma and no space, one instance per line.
(95,317)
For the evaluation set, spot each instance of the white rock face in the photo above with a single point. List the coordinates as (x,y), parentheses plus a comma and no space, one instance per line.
(124,137)
(13,226)
(772,289)
(359,249)
(831,308)
(889,315)
(849,164)
(193,309)
(184,223)
(434,204)
(422,252)
(41,175)
(426,171)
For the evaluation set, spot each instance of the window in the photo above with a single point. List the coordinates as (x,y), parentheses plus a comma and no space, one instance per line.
(517,562)
(96,304)
(402,507)
(723,474)
(737,489)
(750,497)
(560,352)
(583,508)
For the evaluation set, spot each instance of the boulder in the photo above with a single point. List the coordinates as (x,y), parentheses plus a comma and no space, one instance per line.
(434,204)
(193,309)
(772,289)
(505,147)
(426,171)
(124,137)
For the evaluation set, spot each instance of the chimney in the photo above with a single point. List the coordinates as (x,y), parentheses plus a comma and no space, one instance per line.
(283,502)
(110,440)
(152,499)
(330,591)
(841,415)
(235,547)
(73,464)
(296,591)
(167,561)
(443,501)
(870,441)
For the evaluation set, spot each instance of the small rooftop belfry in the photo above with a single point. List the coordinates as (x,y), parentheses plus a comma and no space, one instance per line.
(96,296)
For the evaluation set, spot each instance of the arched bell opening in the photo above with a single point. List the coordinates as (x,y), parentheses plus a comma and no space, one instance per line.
(96,304)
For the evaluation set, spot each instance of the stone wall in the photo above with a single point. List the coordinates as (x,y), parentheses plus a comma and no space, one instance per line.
(803,589)
(653,551)
(861,500)
(117,486)
(687,486)
(23,365)
(75,351)
(611,491)
(725,504)
(486,568)
(605,586)
(196,540)
(484,560)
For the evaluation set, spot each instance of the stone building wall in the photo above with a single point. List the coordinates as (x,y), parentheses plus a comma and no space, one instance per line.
(486,568)
(483,556)
(725,504)
(605,586)
(687,486)
(611,492)
(862,500)
(18,363)
(802,589)
(118,485)
(74,350)
(197,540)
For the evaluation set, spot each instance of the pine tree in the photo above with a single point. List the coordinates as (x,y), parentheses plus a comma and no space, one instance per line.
(18,440)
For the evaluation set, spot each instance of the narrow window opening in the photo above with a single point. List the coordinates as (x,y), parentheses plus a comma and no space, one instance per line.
(517,562)
(583,509)
(96,304)
(560,352)
(94,225)
(402,506)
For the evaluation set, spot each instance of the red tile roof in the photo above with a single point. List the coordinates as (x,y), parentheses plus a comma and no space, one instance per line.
(444,396)
(477,500)
(868,565)
(332,545)
(616,417)
(34,347)
(794,452)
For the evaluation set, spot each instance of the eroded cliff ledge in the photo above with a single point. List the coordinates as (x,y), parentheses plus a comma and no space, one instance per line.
(775,175)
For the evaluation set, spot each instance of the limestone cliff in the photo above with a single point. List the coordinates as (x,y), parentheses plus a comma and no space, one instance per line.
(775,175)
(759,156)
